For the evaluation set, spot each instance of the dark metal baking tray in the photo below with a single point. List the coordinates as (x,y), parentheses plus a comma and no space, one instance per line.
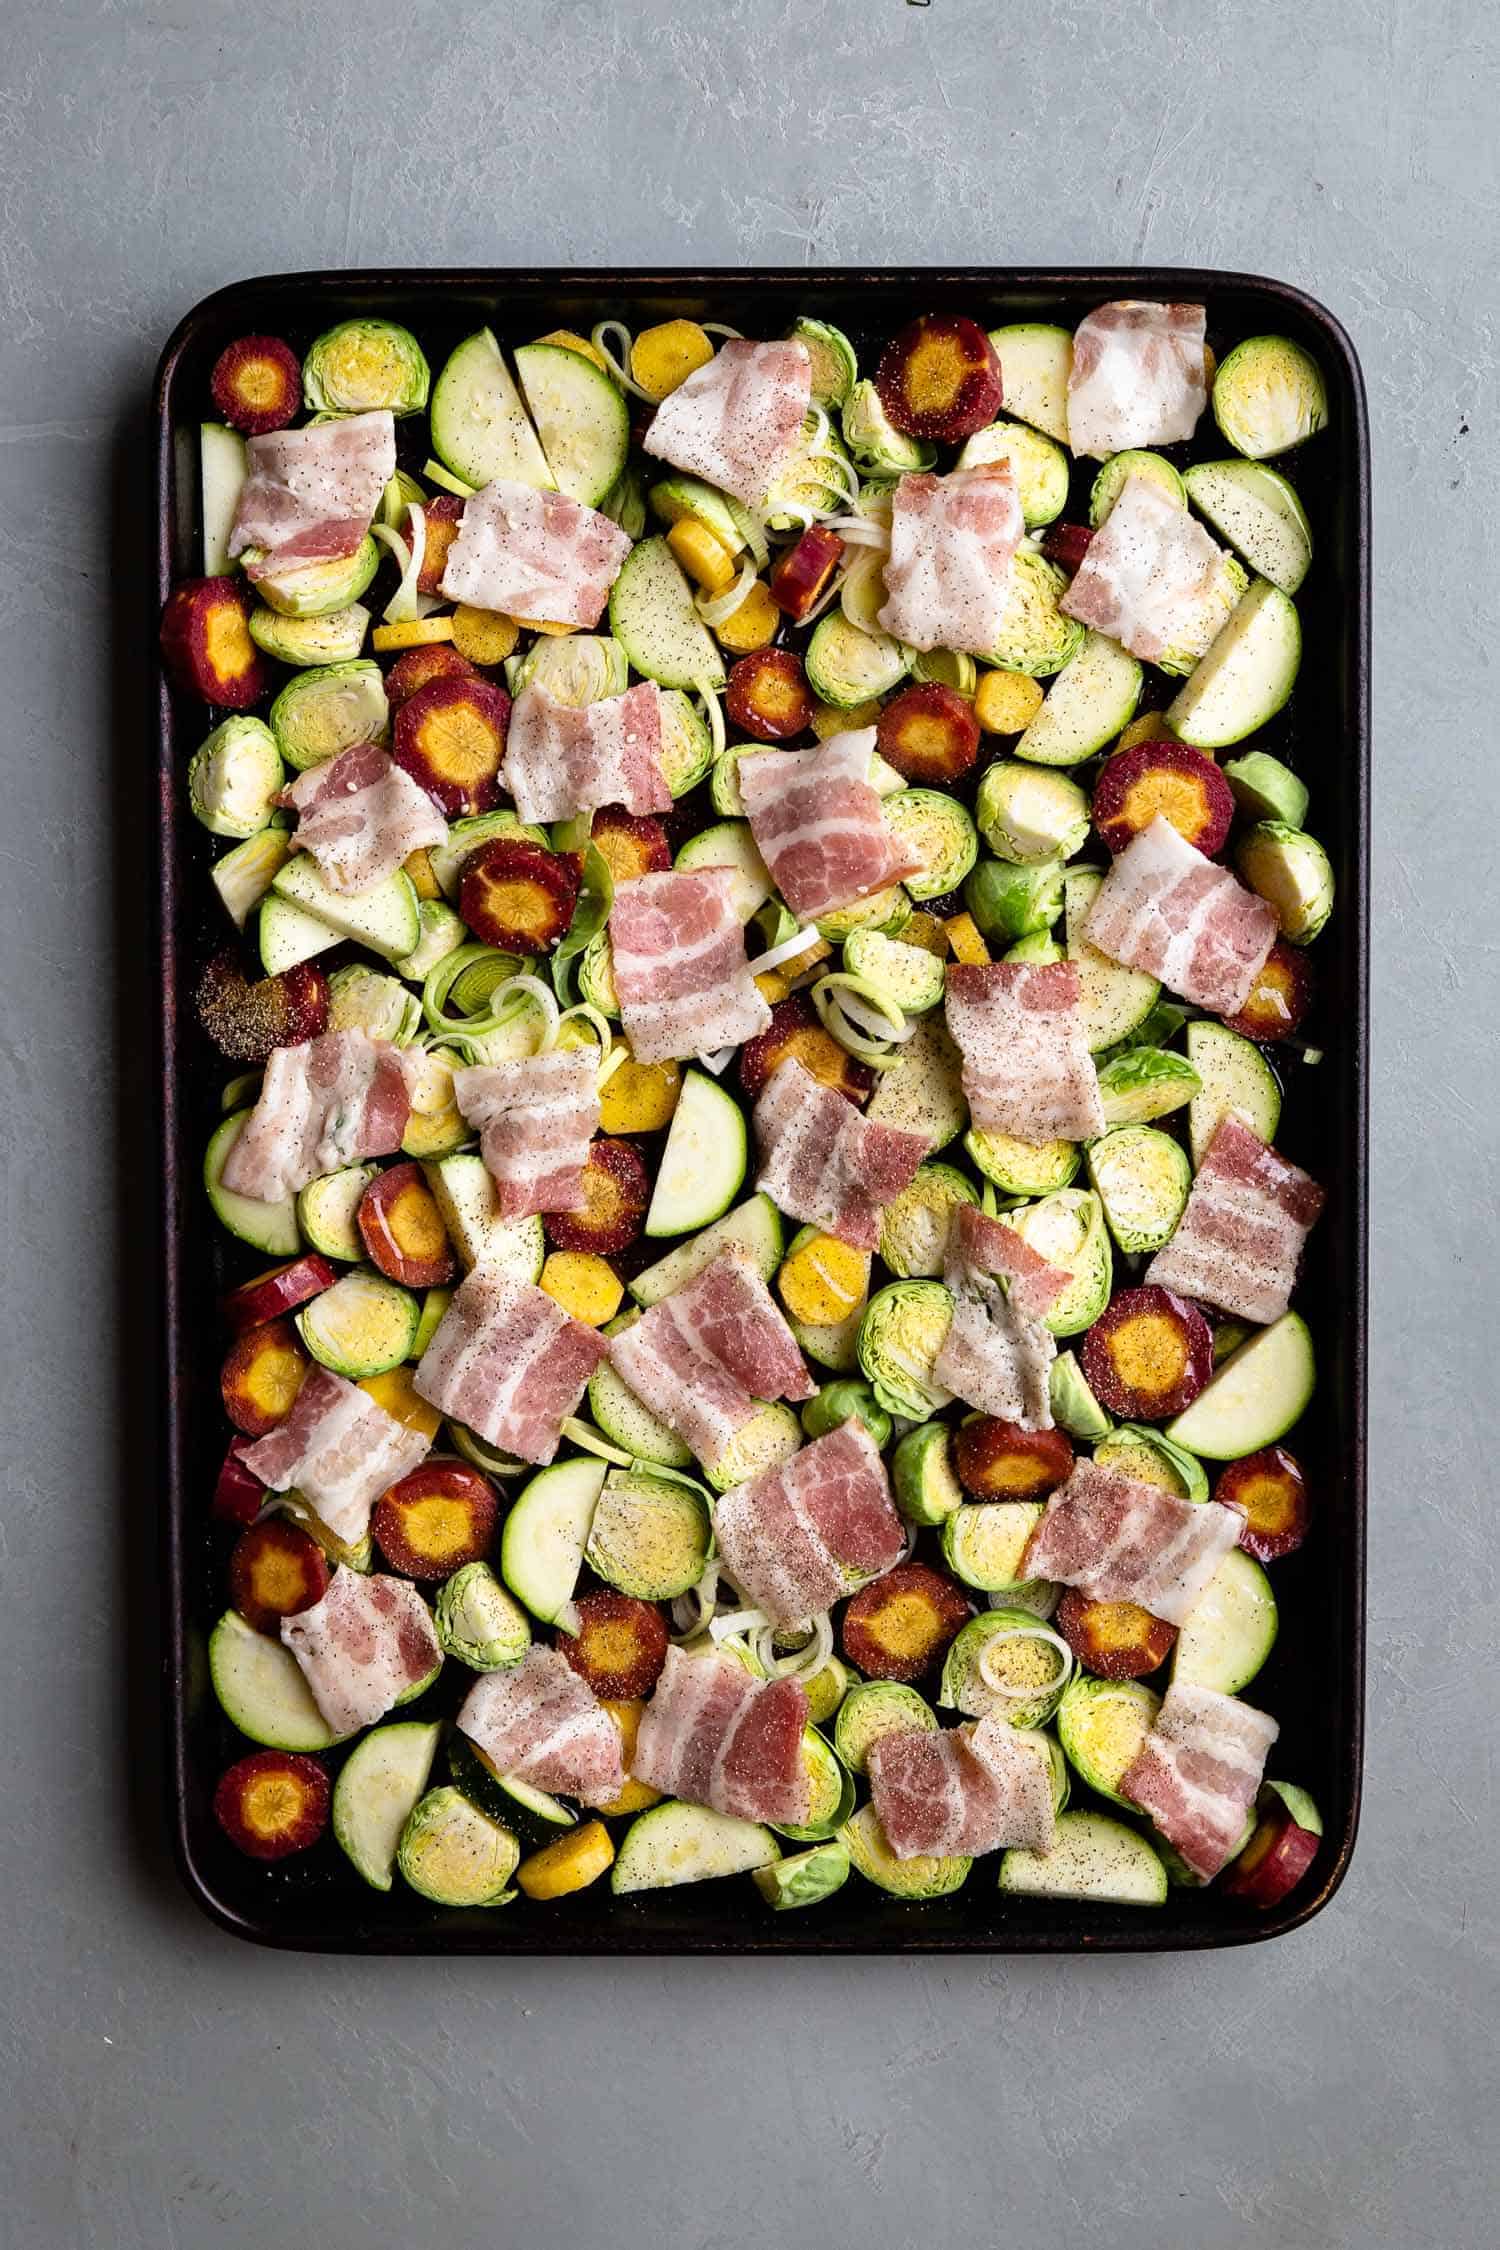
(1314,1680)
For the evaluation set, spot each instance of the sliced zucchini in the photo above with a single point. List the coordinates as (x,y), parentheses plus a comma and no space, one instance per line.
(1234,1076)
(873,1709)
(287,935)
(1039,465)
(260,1688)
(1254,1397)
(1142,1178)
(479,426)
(326,1209)
(831,1344)
(380,1784)
(1074,1406)
(454,1854)
(1068,1230)
(703,1164)
(1259,513)
(652,616)
(676,1843)
(546,1533)
(621,1417)
(772,1437)
(1090,700)
(363,1325)
(729,843)
(384,918)
(1022,1167)
(580,417)
(754,1226)
(847,667)
(1113,1002)
(649,1536)
(466,1199)
(271,1227)
(1095,1859)
(920,1877)
(1231,1629)
(1246,675)
(1036,360)
(495,1793)
(222,468)
(1118,470)
(1101,1725)
(924,1092)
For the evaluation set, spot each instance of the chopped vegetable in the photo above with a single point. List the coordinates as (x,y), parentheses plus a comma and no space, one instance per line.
(940,378)
(1000,1461)
(662,358)
(616,1191)
(485,636)
(450,737)
(752,624)
(570,1863)
(362,366)
(1166,779)
(416,667)
(276,1571)
(410,633)
(436,1519)
(402,1229)
(440,518)
(1113,1640)
(518,896)
(639,1097)
(1271,1489)
(631,844)
(702,556)
(899,1627)
(280,1291)
(584,1284)
(261,1376)
(620,1645)
(964,939)
(798,582)
(248,1022)
(768,695)
(929,734)
(273,1803)
(1149,1354)
(1279,998)
(206,645)
(823,1279)
(257,384)
(794,1029)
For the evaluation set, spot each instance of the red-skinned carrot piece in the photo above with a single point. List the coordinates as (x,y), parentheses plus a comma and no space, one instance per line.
(450,737)
(246,1021)
(277,1569)
(273,1803)
(436,1519)
(794,1029)
(620,1646)
(1148,1355)
(1271,1488)
(1279,998)
(441,517)
(898,1628)
(928,733)
(402,1229)
(1113,1640)
(518,896)
(1066,544)
(1279,1853)
(281,1289)
(206,645)
(998,1460)
(239,1494)
(1181,784)
(802,575)
(631,844)
(768,696)
(261,1376)
(616,1191)
(257,384)
(939,377)
(415,667)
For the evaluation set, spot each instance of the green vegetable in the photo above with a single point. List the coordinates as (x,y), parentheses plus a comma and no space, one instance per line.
(875,442)
(1291,869)
(1035,636)
(830,1797)
(924,1093)
(1150,1457)
(652,616)
(984,1540)
(329,709)
(223,465)
(887,912)
(1231,1629)
(1040,467)
(773,1437)
(1010,900)
(478,1622)
(687,745)
(326,1210)
(872,1709)
(384,917)
(1113,1003)
(270,1228)
(1139,1083)
(1234,1076)
(846,666)
(1246,676)
(908,974)
(1040,947)
(1254,1397)
(363,365)
(815,479)
(754,1225)
(1269,396)
(441,932)
(1259,513)
(261,1690)
(675,497)
(234,776)
(546,1533)
(574,668)
(1112,478)
(480,429)
(1030,813)
(1028,1664)
(914,1228)
(1022,1167)
(835,368)
(625,503)
(454,1854)
(1265,789)
(1142,1179)
(1091,699)
(1101,1725)
(947,667)
(938,830)
(837,1403)
(363,999)
(900,1336)
(650,1535)
(919,1877)
(1035,361)
(804,1878)
(1068,1230)
(243,876)
(363,1325)
(922,1476)
(1093,1858)
(379,1785)
(334,638)
(595,897)
(1074,1406)
(676,1843)
(315,589)
(581,419)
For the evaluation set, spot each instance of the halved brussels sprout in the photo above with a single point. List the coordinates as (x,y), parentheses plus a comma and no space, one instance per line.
(875,441)
(1269,396)
(830,1798)
(574,668)
(1101,1725)
(687,746)
(814,481)
(899,1338)
(625,502)
(1074,1406)
(650,1535)
(1264,789)
(803,1878)
(1112,478)
(336,637)
(1292,871)
(1036,637)
(837,1403)
(937,829)
(1135,1450)
(1068,1229)
(365,999)
(442,931)
(363,365)
(1028,814)
(984,1540)
(1142,1178)
(1010,899)
(888,911)
(1006,1664)
(1140,1083)
(764,1443)
(923,1477)
(846,665)
(455,1854)
(479,1622)
(835,368)
(914,1228)
(907,974)
(234,776)
(919,1877)
(874,1708)
(1040,467)
(328,709)
(1057,1765)
(317,589)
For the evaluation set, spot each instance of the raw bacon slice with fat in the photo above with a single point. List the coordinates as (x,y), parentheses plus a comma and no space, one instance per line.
(1138,377)
(369,1640)
(340,1450)
(331,1101)
(818,825)
(799,1537)
(998,1352)
(1147,577)
(535,1116)
(310,494)
(1239,1240)
(714,1736)
(1198,1770)
(507,1361)
(735,422)
(823,1163)
(947,576)
(361,816)
(1121,1541)
(541,1723)
(681,971)
(1167,910)
(1027,1070)
(561,760)
(538,556)
(966,1790)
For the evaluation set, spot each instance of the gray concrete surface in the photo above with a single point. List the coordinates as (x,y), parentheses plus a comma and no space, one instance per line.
(166,2087)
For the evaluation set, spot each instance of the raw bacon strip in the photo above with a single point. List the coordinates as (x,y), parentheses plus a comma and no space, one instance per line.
(821,1162)
(818,824)
(998,1352)
(361,1647)
(680,967)
(1239,1241)
(800,1537)
(360,816)
(340,1450)
(1120,1541)
(1138,377)
(736,421)
(329,1102)
(952,539)
(1197,1772)
(704,1357)
(509,1362)
(714,1736)
(534,555)
(966,1790)
(1148,577)
(535,1117)
(540,1722)
(1027,1070)
(1166,909)
(310,494)
(560,760)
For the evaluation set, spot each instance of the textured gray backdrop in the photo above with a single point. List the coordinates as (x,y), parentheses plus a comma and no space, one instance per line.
(167,2087)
